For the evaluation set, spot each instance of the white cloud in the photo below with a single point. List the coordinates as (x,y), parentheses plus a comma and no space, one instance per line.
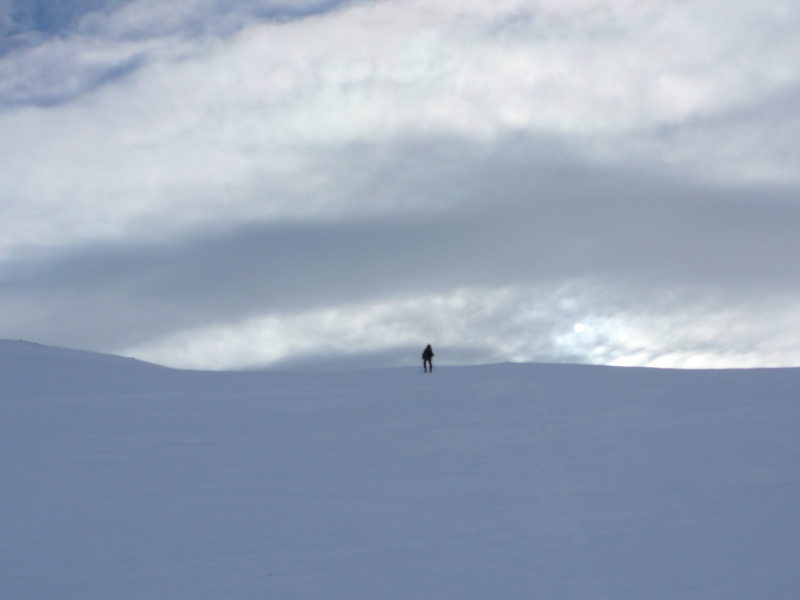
(350,330)
(533,323)
(204,125)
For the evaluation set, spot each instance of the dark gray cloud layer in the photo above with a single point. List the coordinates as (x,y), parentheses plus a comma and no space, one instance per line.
(621,228)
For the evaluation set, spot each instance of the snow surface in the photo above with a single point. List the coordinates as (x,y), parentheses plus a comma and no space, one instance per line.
(125,480)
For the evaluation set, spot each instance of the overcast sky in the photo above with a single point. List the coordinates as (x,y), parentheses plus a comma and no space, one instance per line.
(323,183)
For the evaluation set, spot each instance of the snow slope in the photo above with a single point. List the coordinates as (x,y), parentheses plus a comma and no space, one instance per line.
(124,480)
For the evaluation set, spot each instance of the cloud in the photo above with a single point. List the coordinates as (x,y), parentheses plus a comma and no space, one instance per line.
(648,244)
(474,325)
(63,51)
(177,170)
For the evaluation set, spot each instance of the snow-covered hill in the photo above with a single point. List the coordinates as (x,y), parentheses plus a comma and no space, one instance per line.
(124,480)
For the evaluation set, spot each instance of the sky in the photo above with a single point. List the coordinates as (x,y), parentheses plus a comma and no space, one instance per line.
(324,184)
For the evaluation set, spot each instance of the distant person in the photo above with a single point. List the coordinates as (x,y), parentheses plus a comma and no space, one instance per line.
(427,358)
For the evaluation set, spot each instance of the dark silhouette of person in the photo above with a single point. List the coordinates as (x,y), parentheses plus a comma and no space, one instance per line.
(427,358)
